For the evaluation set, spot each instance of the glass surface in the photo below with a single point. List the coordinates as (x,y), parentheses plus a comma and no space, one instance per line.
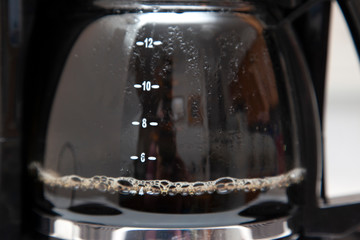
(169,112)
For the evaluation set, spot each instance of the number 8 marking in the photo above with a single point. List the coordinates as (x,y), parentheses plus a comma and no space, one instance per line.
(144,123)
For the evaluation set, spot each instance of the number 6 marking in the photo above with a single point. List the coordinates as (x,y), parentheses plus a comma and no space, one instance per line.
(142,157)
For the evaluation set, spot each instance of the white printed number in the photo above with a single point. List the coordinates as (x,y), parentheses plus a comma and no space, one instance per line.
(146,85)
(142,157)
(144,123)
(149,43)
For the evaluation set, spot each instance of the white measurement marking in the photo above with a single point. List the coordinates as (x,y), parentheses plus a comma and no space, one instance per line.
(148,43)
(147,86)
(157,43)
(144,123)
(142,157)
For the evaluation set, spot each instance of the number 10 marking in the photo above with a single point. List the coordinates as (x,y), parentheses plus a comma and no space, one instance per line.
(146,86)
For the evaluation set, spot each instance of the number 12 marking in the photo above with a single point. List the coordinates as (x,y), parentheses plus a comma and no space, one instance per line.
(148,43)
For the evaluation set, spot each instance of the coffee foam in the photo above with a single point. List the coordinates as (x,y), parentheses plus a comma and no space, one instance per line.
(129,185)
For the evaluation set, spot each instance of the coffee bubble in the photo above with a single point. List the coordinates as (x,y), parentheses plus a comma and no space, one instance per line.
(133,186)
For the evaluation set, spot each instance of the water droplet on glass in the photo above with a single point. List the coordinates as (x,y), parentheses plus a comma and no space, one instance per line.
(231,110)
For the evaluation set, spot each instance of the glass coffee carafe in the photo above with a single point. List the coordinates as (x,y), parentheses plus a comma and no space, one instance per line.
(169,120)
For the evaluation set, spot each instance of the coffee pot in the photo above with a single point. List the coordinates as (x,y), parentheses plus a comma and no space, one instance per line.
(172,120)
